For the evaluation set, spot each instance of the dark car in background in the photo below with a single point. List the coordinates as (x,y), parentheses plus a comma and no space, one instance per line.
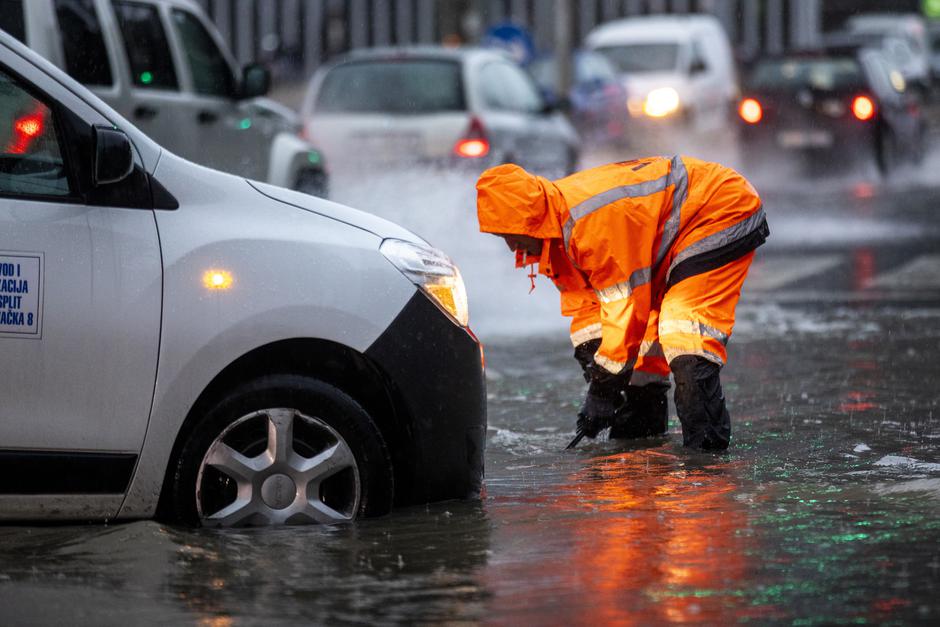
(830,107)
(597,100)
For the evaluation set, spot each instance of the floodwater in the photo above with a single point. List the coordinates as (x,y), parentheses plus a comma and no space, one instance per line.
(825,510)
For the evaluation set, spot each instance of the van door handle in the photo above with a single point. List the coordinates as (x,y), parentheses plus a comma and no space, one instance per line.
(207,117)
(144,112)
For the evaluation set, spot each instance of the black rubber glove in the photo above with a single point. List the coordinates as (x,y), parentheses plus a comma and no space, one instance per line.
(584,353)
(602,401)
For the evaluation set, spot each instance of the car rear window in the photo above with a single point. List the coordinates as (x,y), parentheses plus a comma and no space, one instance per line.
(834,74)
(641,58)
(418,86)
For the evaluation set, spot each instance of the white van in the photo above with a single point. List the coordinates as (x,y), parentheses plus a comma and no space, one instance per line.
(184,342)
(163,65)
(676,69)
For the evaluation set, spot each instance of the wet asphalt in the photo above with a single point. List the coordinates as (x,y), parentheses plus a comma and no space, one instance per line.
(825,510)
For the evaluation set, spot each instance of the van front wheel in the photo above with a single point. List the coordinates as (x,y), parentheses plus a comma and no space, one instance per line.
(283,449)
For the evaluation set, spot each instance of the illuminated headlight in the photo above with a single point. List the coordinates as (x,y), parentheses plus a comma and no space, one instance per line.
(661,102)
(432,271)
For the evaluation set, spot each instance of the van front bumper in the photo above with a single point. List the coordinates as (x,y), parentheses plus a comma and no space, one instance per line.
(433,368)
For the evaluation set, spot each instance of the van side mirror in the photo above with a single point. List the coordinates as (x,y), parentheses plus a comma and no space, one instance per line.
(697,67)
(114,156)
(256,81)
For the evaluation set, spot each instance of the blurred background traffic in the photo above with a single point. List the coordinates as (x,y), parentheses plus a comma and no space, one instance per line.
(760,84)
(394,107)
(293,91)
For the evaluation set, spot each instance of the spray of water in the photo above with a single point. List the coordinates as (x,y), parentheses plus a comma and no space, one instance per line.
(440,206)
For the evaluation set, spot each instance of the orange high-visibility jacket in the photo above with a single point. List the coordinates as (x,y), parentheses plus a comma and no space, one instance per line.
(617,236)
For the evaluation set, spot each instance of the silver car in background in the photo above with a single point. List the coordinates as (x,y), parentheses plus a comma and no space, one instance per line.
(438,107)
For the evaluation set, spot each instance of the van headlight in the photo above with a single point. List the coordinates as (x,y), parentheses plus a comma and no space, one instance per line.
(433,272)
(661,102)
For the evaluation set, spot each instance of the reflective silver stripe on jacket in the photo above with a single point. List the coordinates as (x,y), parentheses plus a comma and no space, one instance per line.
(622,290)
(676,176)
(614,367)
(692,327)
(680,178)
(651,349)
(721,238)
(672,353)
(590,332)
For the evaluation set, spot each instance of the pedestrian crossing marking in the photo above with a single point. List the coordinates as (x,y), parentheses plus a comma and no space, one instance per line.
(919,273)
(773,273)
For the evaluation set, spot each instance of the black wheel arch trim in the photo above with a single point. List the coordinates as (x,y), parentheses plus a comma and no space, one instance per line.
(435,369)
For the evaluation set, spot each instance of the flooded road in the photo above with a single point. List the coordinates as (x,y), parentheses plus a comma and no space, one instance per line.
(825,510)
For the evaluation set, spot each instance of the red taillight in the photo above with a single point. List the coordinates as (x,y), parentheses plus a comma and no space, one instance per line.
(25,130)
(474,143)
(863,108)
(472,147)
(750,111)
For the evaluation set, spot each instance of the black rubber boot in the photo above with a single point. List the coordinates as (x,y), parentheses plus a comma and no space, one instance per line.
(706,424)
(644,414)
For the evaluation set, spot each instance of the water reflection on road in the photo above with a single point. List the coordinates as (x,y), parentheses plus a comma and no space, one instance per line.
(644,535)
(826,509)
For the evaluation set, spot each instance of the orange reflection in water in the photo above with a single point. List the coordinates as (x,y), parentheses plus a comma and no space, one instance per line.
(639,537)
(857,401)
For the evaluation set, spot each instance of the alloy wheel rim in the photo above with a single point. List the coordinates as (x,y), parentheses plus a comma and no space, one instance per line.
(277,466)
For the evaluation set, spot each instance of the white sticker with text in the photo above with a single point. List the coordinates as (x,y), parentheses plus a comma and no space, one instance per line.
(21,294)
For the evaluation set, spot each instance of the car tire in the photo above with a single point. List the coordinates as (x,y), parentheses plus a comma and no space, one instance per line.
(313,182)
(282,449)
(886,153)
(920,145)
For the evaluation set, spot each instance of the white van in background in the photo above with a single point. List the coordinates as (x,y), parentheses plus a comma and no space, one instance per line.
(163,65)
(677,69)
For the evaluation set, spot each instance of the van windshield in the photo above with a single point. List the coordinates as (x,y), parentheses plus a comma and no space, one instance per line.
(641,58)
(392,86)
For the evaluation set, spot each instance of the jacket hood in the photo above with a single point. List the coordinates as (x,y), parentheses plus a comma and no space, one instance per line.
(511,200)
